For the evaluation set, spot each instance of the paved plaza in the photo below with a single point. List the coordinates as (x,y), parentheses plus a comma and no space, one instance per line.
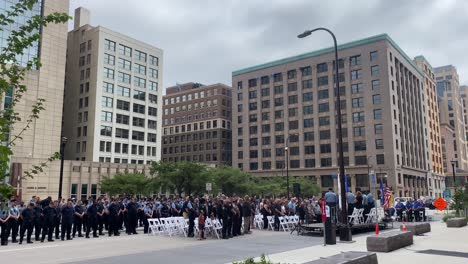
(279,246)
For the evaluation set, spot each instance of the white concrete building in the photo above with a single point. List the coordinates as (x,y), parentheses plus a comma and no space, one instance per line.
(113,99)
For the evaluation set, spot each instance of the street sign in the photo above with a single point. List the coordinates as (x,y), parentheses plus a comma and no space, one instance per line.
(208,187)
(440,204)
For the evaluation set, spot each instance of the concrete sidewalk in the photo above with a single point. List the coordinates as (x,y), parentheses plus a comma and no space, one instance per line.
(440,238)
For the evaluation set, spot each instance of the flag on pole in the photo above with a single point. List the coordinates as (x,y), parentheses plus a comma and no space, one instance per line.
(382,194)
(388,198)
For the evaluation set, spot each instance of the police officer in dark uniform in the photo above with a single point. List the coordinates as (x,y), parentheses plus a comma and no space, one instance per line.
(132,216)
(100,219)
(27,217)
(13,221)
(4,224)
(92,213)
(50,216)
(190,210)
(78,219)
(67,219)
(38,220)
(114,210)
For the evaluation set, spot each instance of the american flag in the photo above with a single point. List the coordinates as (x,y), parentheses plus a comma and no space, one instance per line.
(388,198)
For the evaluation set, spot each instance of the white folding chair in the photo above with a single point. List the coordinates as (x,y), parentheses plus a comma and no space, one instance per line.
(271,222)
(284,224)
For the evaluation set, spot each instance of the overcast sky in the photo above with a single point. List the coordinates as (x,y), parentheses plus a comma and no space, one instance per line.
(205,40)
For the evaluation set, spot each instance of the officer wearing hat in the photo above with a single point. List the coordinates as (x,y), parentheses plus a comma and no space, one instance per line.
(27,217)
(13,221)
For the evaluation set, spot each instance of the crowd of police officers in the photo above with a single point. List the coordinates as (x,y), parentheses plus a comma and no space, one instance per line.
(46,219)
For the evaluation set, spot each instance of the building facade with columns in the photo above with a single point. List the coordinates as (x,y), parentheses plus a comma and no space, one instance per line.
(289,104)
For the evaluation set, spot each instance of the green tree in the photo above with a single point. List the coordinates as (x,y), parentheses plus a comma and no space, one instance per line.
(187,178)
(277,186)
(12,74)
(229,180)
(129,183)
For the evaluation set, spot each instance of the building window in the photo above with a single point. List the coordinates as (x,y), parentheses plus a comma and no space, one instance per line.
(264,80)
(153,73)
(375,71)
(355,60)
(125,64)
(109,45)
(152,138)
(358,102)
(123,91)
(357,88)
(278,77)
(378,114)
(306,71)
(358,117)
(278,89)
(308,136)
(323,94)
(360,145)
(308,150)
(265,92)
(359,131)
(292,74)
(321,81)
(109,59)
(139,95)
(324,121)
(325,107)
(374,55)
(138,135)
(124,78)
(307,84)
(292,87)
(124,50)
(106,116)
(123,105)
(292,99)
(375,85)
(106,102)
(122,119)
(379,144)
(356,74)
(324,134)
(380,159)
(154,60)
(360,160)
(137,108)
(252,83)
(108,73)
(376,99)
(140,69)
(378,129)
(108,87)
(322,67)
(141,56)
(326,162)
(325,148)
(308,122)
(153,86)
(106,131)
(310,163)
(152,111)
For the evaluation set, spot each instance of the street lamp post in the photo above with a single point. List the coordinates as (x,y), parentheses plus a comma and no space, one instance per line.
(286,149)
(345,231)
(453,171)
(62,158)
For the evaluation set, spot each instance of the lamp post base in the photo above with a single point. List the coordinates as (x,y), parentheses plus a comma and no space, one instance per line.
(345,234)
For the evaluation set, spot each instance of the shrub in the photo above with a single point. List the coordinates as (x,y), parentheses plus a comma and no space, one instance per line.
(263,260)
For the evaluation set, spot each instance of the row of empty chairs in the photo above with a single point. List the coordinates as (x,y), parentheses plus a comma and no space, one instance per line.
(171,226)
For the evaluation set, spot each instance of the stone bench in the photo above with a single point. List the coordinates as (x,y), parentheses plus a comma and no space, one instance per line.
(418,228)
(456,222)
(351,257)
(390,241)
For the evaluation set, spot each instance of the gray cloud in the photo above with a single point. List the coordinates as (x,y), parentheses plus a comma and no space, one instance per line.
(204,41)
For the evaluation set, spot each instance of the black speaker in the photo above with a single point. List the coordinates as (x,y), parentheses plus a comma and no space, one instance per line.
(297,188)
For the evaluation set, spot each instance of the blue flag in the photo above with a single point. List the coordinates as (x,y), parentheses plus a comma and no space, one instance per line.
(382,195)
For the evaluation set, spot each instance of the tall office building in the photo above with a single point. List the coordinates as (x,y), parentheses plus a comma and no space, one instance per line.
(42,139)
(197,124)
(436,171)
(464,97)
(112,98)
(452,113)
(291,103)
